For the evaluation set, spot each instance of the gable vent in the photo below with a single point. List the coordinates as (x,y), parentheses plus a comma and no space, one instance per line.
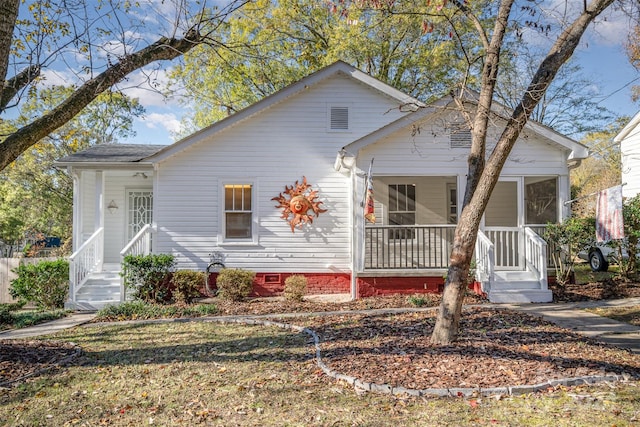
(459,136)
(339,118)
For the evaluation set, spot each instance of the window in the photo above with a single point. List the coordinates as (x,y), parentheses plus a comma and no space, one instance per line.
(402,209)
(541,200)
(452,204)
(338,118)
(238,214)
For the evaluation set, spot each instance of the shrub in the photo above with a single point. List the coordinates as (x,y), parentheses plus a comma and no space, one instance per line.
(187,285)
(566,240)
(234,284)
(140,310)
(6,312)
(46,284)
(422,300)
(148,276)
(295,287)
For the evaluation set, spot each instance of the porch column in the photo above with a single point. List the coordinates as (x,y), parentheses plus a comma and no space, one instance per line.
(99,201)
(564,193)
(76,231)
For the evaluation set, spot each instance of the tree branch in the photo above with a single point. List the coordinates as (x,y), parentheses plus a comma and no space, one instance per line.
(16,83)
(163,49)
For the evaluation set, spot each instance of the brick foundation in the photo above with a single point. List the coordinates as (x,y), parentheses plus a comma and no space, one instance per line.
(374,286)
(272,284)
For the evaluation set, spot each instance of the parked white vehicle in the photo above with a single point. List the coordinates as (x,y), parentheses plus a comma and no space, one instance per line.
(601,255)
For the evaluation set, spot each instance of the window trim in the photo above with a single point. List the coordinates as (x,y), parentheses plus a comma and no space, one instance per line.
(222,233)
(395,234)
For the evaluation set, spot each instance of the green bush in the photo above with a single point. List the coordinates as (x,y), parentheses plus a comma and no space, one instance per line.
(46,284)
(148,277)
(140,310)
(234,284)
(422,300)
(6,312)
(566,240)
(187,285)
(295,287)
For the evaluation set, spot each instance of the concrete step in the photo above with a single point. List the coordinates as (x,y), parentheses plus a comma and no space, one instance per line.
(89,305)
(520,296)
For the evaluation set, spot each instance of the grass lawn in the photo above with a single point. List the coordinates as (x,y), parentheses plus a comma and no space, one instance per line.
(24,318)
(629,314)
(202,373)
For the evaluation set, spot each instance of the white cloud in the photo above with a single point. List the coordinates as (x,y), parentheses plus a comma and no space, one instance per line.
(166,121)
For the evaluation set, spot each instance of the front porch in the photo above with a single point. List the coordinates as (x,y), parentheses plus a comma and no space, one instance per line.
(511,263)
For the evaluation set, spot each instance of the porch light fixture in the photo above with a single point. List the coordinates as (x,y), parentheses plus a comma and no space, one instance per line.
(112,206)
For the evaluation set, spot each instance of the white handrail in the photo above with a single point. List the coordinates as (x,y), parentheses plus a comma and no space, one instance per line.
(536,255)
(139,245)
(89,257)
(485,261)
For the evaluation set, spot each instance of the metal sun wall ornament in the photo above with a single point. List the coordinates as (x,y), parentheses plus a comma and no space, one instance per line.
(296,202)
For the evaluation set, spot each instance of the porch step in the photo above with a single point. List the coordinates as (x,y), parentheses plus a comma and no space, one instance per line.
(101,289)
(515,280)
(522,296)
(518,287)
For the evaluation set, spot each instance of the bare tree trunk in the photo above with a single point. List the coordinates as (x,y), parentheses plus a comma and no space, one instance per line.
(476,198)
(8,15)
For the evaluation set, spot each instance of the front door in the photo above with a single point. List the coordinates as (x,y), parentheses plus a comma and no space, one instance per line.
(139,211)
(503,225)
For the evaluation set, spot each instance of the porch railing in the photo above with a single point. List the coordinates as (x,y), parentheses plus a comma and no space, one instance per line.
(88,258)
(485,261)
(139,245)
(407,246)
(536,255)
(506,241)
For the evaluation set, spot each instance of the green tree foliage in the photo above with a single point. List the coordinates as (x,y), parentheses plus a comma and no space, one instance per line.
(36,198)
(601,170)
(272,44)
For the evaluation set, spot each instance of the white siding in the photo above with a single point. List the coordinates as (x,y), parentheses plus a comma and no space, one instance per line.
(272,149)
(429,153)
(630,149)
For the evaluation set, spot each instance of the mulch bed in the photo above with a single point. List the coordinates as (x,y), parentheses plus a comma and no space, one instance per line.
(496,348)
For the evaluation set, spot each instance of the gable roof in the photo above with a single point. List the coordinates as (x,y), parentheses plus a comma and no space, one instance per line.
(105,154)
(577,150)
(338,67)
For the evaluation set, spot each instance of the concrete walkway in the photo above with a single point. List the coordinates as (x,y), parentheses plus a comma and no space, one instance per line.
(573,316)
(567,315)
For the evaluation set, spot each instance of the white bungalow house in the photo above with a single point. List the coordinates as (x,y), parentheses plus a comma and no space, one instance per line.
(629,140)
(217,192)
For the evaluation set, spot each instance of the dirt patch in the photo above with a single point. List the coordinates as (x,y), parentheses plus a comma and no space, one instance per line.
(21,359)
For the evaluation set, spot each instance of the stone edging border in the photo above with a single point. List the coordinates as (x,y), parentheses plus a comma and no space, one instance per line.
(432,392)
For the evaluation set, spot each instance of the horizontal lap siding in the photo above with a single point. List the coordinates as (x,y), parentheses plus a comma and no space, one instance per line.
(630,148)
(429,153)
(272,149)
